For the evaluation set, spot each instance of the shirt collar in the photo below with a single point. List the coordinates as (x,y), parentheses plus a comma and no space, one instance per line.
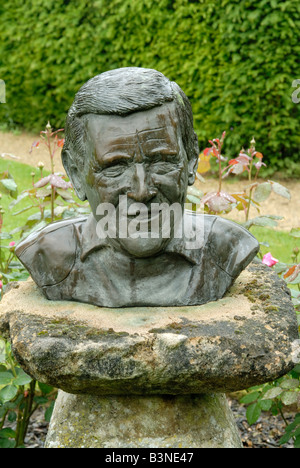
(91,242)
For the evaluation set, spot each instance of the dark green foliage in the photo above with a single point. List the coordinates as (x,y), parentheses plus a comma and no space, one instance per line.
(235,59)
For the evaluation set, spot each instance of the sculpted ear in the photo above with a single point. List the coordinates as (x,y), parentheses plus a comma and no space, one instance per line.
(193,164)
(73,173)
(193,161)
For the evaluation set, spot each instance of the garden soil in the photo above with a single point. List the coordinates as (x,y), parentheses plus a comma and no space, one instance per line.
(268,429)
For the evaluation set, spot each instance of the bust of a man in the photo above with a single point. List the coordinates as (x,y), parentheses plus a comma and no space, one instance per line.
(131,151)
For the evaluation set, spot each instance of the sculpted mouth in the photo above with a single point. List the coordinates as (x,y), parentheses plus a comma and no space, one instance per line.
(143,213)
(133,211)
(142,216)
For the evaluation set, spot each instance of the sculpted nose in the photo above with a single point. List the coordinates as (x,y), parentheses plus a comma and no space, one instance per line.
(141,192)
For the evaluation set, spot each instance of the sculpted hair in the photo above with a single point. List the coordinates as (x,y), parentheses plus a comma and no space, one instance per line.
(121,92)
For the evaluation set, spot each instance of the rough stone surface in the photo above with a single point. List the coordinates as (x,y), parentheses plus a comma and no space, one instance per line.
(241,340)
(193,421)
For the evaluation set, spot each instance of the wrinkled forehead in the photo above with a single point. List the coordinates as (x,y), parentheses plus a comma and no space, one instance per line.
(156,127)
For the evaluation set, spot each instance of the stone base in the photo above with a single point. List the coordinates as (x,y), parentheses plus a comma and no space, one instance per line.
(136,377)
(190,421)
(242,340)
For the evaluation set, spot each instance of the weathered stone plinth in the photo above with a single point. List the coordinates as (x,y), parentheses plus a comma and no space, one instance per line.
(168,421)
(241,340)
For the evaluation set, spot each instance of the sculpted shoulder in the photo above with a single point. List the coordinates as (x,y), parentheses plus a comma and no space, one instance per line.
(232,246)
(49,254)
(228,245)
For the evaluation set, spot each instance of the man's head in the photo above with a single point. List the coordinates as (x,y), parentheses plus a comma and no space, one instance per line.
(130,132)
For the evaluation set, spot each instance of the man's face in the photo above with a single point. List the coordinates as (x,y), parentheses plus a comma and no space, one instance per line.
(140,156)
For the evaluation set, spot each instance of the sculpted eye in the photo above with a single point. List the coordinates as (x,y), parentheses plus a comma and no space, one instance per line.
(163,167)
(114,170)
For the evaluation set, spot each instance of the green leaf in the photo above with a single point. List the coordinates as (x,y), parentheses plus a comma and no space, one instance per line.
(295,232)
(5,235)
(8,186)
(12,405)
(266,404)
(8,347)
(297,419)
(40,400)
(253,413)
(45,389)
(272,393)
(285,438)
(280,267)
(65,194)
(289,398)
(200,177)
(8,393)
(18,199)
(6,433)
(262,192)
(263,221)
(297,432)
(297,369)
(2,352)
(294,292)
(290,383)
(35,216)
(193,199)
(59,210)
(297,442)
(27,208)
(296,280)
(7,443)
(194,191)
(281,190)
(43,193)
(22,378)
(49,411)
(6,377)
(265,244)
(250,397)
(12,416)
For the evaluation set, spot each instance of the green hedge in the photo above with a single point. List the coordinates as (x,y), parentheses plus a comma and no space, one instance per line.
(236,60)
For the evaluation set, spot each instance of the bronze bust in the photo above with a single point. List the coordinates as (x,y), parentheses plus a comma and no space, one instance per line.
(130,147)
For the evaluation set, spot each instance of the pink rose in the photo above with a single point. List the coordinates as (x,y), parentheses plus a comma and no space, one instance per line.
(1,285)
(11,246)
(269,260)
